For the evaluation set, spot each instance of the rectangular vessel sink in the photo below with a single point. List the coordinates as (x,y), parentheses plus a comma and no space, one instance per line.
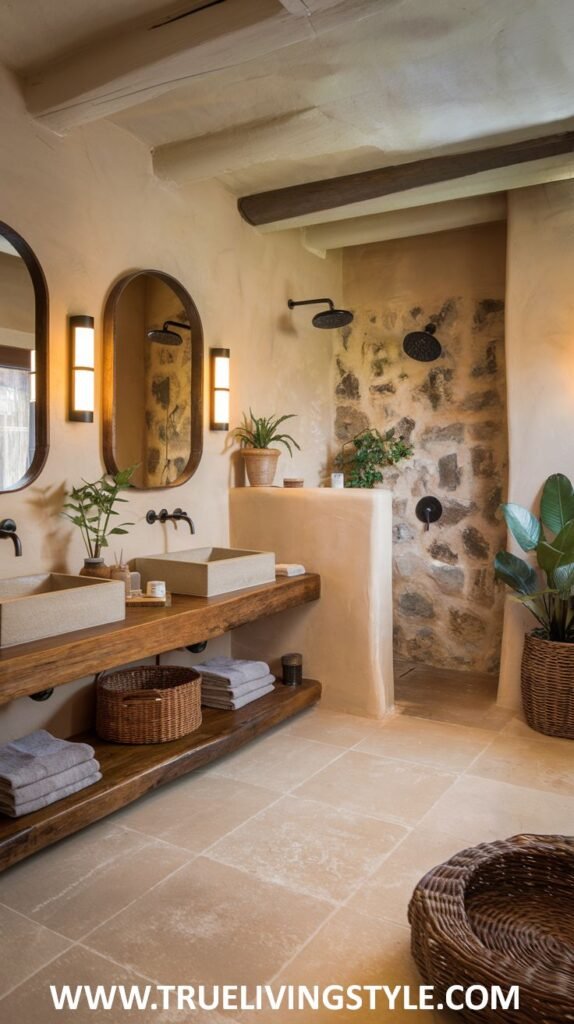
(207,572)
(36,607)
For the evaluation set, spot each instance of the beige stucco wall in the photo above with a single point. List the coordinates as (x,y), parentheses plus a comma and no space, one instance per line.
(448,609)
(540,362)
(346,638)
(91,209)
(16,295)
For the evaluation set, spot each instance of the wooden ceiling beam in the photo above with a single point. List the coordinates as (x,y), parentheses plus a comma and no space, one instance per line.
(297,7)
(207,156)
(331,193)
(151,57)
(145,60)
(419,220)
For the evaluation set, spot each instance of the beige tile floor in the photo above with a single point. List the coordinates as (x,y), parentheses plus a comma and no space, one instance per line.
(292,861)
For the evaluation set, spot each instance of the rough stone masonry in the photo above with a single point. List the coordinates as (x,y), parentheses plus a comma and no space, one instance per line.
(448,606)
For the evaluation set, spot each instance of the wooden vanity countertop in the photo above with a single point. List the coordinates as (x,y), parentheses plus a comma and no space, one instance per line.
(28,668)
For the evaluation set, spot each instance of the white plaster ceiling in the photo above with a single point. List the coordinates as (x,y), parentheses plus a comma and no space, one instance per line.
(33,32)
(368,83)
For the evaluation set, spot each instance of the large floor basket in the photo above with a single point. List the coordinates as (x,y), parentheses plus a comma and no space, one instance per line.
(148,704)
(548,686)
(501,914)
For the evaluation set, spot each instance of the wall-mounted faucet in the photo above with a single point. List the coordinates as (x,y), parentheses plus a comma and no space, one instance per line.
(8,530)
(177,516)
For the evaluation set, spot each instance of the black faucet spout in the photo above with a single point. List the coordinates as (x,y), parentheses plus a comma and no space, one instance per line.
(181,516)
(8,532)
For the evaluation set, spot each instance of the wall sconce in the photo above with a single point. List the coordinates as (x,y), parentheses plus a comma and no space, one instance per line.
(219,410)
(82,369)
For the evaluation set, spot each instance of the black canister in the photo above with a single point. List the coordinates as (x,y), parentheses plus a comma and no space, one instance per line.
(292,669)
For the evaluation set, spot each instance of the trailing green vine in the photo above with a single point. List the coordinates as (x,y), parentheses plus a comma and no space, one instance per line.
(363,458)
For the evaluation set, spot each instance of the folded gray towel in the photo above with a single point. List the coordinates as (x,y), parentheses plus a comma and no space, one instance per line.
(223,689)
(38,756)
(51,798)
(231,704)
(234,670)
(10,798)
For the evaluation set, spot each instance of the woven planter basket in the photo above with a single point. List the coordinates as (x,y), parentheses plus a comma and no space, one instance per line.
(501,914)
(260,465)
(548,686)
(148,704)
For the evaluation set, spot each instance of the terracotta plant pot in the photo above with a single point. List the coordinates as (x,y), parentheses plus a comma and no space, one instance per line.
(260,464)
(548,686)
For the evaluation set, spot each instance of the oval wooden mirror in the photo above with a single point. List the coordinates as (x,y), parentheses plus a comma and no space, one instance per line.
(153,380)
(23,363)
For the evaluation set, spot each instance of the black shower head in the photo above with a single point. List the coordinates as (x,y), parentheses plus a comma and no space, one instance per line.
(330,318)
(422,345)
(327,318)
(167,337)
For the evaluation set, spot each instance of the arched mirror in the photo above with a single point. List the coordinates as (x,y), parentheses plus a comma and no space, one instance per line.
(153,380)
(23,363)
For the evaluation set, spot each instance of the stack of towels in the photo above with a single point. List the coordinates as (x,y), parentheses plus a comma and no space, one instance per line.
(39,769)
(230,683)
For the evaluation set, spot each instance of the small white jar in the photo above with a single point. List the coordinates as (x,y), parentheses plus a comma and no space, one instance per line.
(155,588)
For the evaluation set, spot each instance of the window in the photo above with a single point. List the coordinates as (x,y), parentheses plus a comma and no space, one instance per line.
(17,416)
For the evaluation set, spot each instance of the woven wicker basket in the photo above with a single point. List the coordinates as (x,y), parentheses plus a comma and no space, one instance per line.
(148,704)
(548,686)
(501,914)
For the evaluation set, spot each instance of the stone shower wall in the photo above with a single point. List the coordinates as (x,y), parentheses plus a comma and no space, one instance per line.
(153,429)
(448,607)
(167,390)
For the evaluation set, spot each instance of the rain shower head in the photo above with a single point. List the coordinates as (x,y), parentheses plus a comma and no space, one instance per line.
(167,337)
(422,345)
(327,318)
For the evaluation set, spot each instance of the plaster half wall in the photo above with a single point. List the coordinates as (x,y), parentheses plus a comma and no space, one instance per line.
(346,637)
(91,209)
(448,608)
(540,363)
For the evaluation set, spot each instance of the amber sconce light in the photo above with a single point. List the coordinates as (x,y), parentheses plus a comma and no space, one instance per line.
(219,411)
(82,369)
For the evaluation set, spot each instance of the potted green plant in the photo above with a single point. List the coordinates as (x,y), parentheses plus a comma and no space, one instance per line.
(363,458)
(256,435)
(91,508)
(547,590)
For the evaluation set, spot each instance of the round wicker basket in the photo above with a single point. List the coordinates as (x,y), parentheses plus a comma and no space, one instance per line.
(501,914)
(548,686)
(260,465)
(148,704)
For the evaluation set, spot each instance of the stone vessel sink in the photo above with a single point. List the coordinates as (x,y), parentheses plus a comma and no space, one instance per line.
(36,607)
(207,572)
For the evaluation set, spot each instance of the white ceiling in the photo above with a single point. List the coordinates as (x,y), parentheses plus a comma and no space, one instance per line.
(417,77)
(33,32)
(364,83)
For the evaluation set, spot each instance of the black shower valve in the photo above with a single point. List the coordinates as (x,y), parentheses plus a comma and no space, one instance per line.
(428,510)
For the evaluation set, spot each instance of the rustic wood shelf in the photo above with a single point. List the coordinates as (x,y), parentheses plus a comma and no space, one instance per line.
(129,772)
(27,668)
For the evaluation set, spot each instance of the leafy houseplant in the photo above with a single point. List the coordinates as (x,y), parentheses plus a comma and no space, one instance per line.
(91,507)
(552,604)
(548,659)
(256,435)
(365,455)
